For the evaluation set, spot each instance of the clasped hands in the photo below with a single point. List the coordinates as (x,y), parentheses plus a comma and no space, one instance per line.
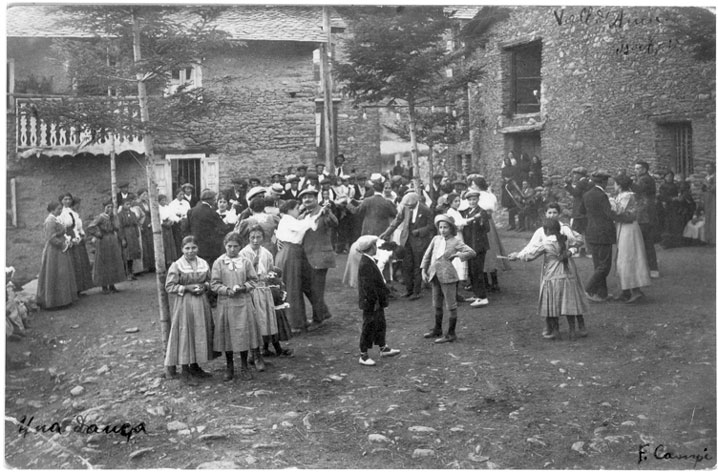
(245,288)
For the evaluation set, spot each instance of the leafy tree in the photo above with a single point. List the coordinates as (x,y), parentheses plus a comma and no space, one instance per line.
(396,56)
(134,50)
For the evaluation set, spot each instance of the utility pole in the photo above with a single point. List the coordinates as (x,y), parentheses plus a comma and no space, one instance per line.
(326,74)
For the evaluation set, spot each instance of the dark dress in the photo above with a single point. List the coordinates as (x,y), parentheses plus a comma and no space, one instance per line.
(148,245)
(78,251)
(129,233)
(109,268)
(54,287)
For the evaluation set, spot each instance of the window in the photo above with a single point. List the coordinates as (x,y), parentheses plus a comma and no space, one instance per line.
(525,78)
(188,77)
(674,146)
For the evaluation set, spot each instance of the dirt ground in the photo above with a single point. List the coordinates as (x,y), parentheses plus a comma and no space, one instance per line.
(500,397)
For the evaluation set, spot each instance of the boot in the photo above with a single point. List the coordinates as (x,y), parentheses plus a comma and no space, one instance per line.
(186,377)
(582,333)
(552,328)
(548,328)
(170,372)
(258,361)
(571,328)
(229,373)
(438,320)
(197,371)
(495,281)
(450,336)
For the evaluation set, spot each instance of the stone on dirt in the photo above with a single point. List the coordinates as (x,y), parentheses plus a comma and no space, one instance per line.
(140,452)
(423,453)
(176,426)
(218,465)
(134,329)
(77,391)
(212,436)
(102,370)
(477,458)
(422,429)
(378,438)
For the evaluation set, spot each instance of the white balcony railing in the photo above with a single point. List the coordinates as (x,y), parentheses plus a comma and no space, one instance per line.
(34,136)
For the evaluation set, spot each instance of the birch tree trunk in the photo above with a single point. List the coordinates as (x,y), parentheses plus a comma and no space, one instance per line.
(160,270)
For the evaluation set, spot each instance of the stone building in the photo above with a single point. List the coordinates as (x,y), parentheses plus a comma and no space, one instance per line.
(273,120)
(594,86)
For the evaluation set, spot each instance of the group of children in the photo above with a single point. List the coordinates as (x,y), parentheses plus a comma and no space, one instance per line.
(250,312)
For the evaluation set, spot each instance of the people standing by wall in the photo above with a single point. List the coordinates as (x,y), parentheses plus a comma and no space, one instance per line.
(129,234)
(78,250)
(108,268)
(509,176)
(56,285)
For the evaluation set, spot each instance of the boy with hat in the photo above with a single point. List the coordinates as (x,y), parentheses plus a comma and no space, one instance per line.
(292,193)
(123,193)
(189,194)
(373,298)
(437,269)
(302,176)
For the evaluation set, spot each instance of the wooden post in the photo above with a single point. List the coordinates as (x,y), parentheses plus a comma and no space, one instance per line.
(326,73)
(113,171)
(13,197)
(160,269)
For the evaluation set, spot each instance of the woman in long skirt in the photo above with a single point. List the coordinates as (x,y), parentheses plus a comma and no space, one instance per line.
(78,251)
(108,268)
(148,246)
(235,325)
(262,262)
(290,233)
(190,339)
(169,219)
(631,262)
(54,287)
(561,292)
(492,264)
(129,234)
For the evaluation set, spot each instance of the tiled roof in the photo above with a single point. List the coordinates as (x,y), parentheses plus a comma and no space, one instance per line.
(462,12)
(249,23)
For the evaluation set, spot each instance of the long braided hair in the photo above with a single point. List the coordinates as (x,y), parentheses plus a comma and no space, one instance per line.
(553,227)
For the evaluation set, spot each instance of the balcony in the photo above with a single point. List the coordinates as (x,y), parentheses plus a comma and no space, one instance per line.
(35,136)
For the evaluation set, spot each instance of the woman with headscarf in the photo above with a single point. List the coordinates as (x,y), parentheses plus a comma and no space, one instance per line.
(78,251)
(54,287)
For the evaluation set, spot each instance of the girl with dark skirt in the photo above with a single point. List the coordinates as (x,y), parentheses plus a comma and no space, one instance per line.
(108,268)
(54,287)
(78,251)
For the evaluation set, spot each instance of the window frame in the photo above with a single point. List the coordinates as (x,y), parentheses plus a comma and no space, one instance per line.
(515,55)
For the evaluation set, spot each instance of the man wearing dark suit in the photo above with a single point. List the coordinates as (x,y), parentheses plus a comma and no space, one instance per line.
(319,256)
(375,212)
(302,180)
(415,237)
(358,190)
(205,224)
(577,185)
(123,193)
(644,186)
(475,236)
(435,189)
(600,235)
(292,193)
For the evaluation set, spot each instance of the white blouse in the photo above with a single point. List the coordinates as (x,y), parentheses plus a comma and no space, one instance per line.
(66,219)
(291,230)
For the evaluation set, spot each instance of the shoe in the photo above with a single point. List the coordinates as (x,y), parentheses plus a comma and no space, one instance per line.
(635,297)
(267,353)
(654,274)
(432,334)
(229,373)
(170,372)
(470,299)
(416,296)
(448,338)
(286,353)
(244,374)
(313,326)
(595,298)
(186,378)
(258,361)
(196,371)
(480,302)
(366,360)
(113,289)
(386,351)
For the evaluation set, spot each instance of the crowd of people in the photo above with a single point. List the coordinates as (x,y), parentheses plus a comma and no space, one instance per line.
(243,264)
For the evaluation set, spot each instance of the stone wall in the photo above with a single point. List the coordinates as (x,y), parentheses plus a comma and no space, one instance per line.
(609,78)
